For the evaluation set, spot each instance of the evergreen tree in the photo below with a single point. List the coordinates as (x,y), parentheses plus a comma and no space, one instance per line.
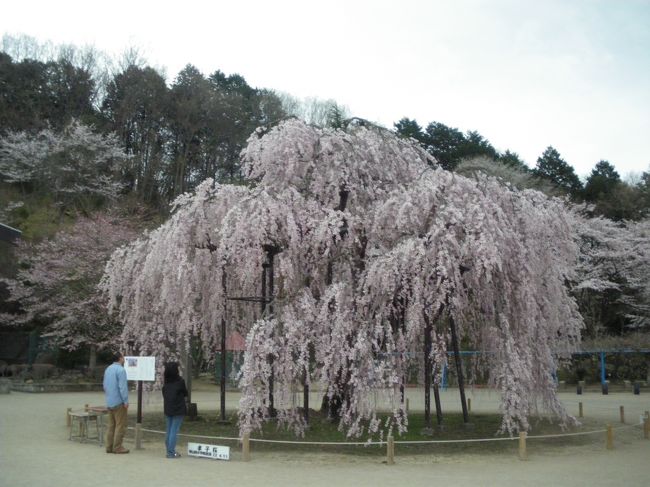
(512,159)
(445,144)
(552,167)
(601,182)
(409,128)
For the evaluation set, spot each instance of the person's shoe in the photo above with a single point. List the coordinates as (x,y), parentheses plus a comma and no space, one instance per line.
(174,455)
(109,450)
(121,450)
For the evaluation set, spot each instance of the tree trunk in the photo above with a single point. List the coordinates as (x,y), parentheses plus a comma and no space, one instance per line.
(459,368)
(186,361)
(92,361)
(427,373)
(331,408)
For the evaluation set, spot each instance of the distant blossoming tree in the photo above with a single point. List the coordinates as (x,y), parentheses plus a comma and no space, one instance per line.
(71,165)
(614,267)
(372,255)
(57,286)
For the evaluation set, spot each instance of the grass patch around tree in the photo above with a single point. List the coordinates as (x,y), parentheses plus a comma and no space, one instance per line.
(323,430)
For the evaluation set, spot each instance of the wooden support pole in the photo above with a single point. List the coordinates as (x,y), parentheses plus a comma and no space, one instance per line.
(223,378)
(523,454)
(646,428)
(83,425)
(268,278)
(580,412)
(622,413)
(428,365)
(68,421)
(469,404)
(305,400)
(390,451)
(610,437)
(246,447)
(138,436)
(459,368)
(407,405)
(436,398)
(138,416)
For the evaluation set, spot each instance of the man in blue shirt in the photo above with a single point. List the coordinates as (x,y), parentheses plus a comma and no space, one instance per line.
(117,402)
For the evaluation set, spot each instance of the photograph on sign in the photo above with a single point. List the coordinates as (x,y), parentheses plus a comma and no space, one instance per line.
(140,368)
(214,452)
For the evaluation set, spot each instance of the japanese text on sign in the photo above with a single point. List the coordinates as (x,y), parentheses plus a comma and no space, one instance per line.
(214,452)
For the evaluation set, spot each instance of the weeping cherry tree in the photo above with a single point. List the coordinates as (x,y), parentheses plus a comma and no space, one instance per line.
(378,259)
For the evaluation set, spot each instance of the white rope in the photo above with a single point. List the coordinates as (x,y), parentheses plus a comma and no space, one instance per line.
(469,440)
(260,440)
(402,442)
(341,443)
(562,435)
(191,436)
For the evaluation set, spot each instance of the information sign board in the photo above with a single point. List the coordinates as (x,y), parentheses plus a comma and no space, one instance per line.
(140,368)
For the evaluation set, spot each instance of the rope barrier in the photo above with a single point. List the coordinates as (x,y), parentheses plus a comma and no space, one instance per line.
(402,442)
(340,443)
(227,438)
(469,440)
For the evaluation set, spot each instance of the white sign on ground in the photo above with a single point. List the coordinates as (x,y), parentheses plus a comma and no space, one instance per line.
(214,452)
(140,368)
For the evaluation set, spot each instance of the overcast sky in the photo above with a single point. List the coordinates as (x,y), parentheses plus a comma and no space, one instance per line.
(525,74)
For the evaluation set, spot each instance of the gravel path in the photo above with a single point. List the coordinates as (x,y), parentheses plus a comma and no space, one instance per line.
(35,451)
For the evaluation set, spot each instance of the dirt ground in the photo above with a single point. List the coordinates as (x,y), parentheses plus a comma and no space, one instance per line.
(35,451)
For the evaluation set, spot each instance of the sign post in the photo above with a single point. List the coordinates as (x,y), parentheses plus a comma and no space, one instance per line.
(140,369)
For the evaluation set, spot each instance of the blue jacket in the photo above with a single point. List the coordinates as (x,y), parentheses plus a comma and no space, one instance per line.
(115,386)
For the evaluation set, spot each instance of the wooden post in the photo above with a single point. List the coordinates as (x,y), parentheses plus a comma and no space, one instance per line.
(390,451)
(305,399)
(436,398)
(580,413)
(459,368)
(469,404)
(222,392)
(246,447)
(610,437)
(428,365)
(267,279)
(523,454)
(622,413)
(84,424)
(68,421)
(139,411)
(646,428)
(407,405)
(138,436)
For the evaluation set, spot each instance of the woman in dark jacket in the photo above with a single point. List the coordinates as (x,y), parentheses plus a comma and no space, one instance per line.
(174,394)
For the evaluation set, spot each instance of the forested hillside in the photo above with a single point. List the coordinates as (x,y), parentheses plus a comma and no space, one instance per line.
(94,150)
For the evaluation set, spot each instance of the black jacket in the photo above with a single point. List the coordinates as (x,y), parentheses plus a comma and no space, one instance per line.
(174,394)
